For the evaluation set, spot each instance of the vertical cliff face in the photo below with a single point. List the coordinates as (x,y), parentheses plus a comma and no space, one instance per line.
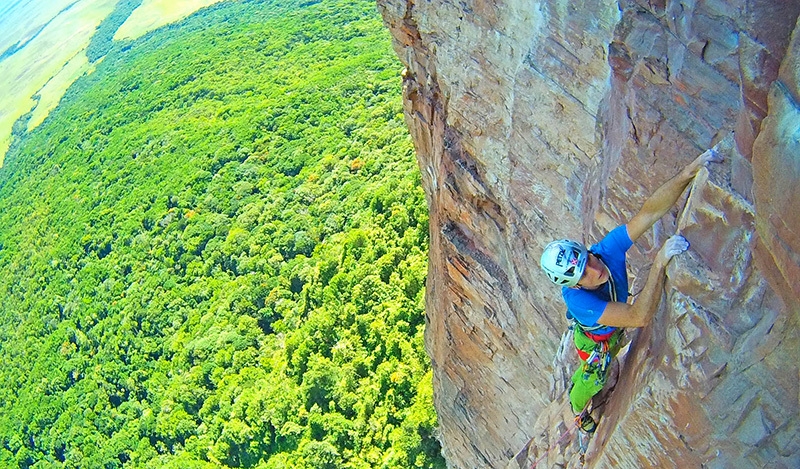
(542,119)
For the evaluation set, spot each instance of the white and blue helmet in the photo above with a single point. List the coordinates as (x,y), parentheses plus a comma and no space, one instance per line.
(564,262)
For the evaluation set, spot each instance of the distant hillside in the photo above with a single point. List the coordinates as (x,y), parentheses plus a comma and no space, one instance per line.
(214,254)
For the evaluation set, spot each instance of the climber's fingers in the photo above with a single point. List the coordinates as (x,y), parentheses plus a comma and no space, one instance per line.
(673,246)
(712,155)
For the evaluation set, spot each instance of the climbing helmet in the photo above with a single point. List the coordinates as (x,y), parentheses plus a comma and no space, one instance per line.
(564,261)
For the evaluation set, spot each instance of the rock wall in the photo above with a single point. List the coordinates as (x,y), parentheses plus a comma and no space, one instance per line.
(542,119)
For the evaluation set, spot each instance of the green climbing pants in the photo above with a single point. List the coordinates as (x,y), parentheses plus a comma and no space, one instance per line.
(588,380)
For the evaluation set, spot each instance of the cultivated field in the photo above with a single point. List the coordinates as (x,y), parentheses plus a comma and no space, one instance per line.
(43,49)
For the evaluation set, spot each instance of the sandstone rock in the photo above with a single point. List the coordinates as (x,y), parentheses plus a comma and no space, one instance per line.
(537,120)
(777,171)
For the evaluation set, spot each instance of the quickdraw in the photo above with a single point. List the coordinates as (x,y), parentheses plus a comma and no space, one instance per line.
(599,358)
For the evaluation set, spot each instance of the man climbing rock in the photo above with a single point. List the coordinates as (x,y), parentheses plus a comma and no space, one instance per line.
(594,285)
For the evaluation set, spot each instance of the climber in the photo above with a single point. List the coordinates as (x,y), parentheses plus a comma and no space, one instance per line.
(594,285)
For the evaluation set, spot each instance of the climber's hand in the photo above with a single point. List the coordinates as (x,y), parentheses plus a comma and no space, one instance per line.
(712,155)
(673,246)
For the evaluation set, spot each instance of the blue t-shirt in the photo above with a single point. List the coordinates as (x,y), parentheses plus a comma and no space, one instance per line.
(586,306)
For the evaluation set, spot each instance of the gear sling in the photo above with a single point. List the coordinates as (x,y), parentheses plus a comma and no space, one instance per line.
(596,352)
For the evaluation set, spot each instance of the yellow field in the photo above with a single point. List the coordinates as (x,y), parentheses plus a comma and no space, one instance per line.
(52,54)
(153,14)
(53,90)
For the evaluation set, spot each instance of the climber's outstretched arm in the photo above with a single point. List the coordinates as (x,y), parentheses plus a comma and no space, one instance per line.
(665,196)
(641,312)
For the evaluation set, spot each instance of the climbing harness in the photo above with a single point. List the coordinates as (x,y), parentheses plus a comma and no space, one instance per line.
(599,358)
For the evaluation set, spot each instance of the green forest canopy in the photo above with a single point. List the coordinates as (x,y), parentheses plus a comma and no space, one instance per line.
(214,254)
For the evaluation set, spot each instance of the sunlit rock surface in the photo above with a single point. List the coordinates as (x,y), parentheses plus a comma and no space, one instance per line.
(545,119)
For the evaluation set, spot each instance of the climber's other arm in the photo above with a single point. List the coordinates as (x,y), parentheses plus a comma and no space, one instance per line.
(665,196)
(641,312)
